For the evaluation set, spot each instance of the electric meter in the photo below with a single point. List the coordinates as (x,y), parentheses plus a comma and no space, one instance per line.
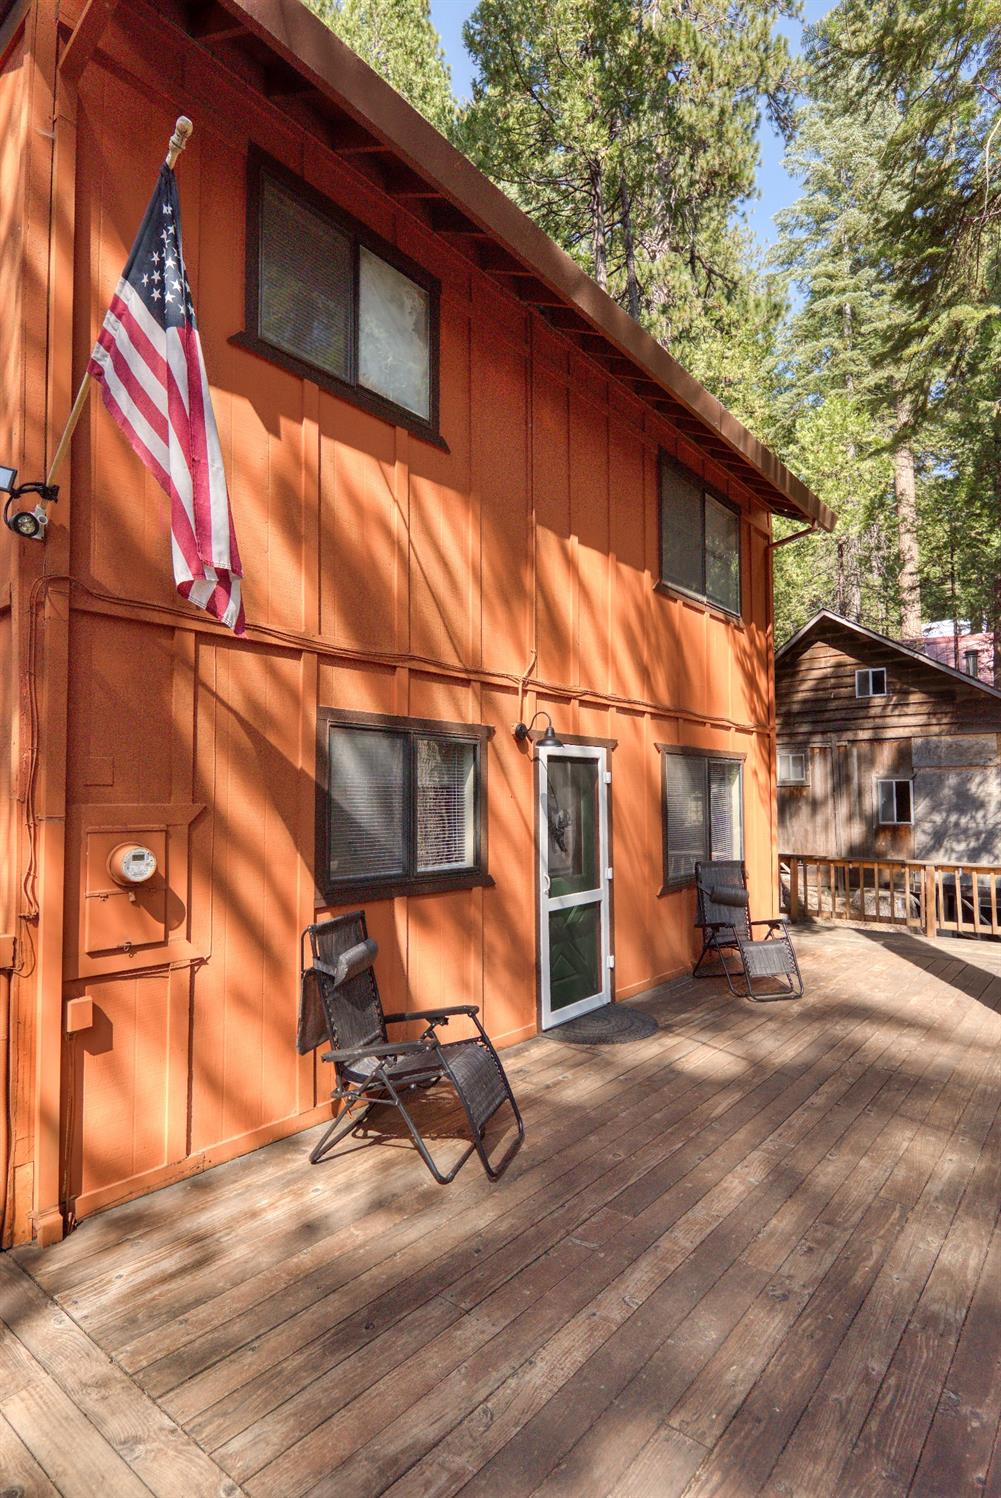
(131,863)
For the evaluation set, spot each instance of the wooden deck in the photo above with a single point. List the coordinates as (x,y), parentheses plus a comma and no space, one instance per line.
(757,1253)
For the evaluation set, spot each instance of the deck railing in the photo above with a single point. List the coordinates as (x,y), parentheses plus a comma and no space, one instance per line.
(928,897)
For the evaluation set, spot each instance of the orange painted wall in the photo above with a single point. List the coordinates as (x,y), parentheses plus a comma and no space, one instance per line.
(382,574)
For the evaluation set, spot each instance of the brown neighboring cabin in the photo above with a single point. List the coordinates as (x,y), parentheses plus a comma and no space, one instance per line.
(883,752)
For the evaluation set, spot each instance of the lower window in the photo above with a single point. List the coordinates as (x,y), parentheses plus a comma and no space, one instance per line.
(401,805)
(893,802)
(702,805)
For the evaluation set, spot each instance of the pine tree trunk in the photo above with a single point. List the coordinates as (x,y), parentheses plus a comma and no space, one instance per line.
(632,284)
(599,248)
(907,533)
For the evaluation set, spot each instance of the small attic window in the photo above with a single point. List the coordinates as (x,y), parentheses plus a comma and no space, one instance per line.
(871,682)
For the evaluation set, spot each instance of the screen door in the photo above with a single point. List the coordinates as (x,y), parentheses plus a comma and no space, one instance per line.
(574,874)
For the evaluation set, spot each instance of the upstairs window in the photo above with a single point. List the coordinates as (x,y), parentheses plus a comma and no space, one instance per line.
(331,301)
(402,803)
(791,767)
(893,800)
(699,538)
(971,662)
(871,683)
(702,811)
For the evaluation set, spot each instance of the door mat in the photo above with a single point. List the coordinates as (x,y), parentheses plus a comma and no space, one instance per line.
(612,1024)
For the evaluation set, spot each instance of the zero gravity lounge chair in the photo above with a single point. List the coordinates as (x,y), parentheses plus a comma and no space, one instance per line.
(727,930)
(340,1005)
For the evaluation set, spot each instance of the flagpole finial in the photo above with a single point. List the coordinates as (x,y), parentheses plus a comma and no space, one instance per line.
(179,139)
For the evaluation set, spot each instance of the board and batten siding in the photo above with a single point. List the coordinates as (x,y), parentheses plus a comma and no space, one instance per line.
(930,728)
(513,572)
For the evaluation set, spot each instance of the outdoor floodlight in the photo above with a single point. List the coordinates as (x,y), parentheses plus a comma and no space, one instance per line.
(27,523)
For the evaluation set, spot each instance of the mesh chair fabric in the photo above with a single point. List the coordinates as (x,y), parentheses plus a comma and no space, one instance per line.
(728,875)
(767,959)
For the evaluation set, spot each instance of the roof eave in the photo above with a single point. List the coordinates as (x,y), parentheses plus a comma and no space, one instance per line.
(307,45)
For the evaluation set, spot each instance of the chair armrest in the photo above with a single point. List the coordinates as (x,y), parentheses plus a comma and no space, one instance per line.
(401,1048)
(718,925)
(779,920)
(433,1014)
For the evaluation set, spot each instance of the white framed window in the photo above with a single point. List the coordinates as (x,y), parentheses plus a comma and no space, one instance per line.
(894,803)
(871,682)
(971,662)
(792,767)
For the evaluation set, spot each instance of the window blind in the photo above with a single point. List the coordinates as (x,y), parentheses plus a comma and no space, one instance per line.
(687,824)
(366,837)
(446,806)
(725,835)
(306,283)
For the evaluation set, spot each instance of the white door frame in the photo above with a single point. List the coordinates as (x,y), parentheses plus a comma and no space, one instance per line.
(602,894)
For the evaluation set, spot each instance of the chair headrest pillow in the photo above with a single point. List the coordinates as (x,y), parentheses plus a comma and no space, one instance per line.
(725,894)
(355,960)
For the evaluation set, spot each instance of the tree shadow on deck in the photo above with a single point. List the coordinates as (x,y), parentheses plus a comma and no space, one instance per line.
(981,982)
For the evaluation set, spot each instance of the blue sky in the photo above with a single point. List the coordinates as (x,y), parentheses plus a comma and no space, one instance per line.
(776,187)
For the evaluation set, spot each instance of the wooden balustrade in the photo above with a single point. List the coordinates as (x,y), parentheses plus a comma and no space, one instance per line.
(960,898)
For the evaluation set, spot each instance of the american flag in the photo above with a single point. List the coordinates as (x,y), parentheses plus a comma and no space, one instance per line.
(148,359)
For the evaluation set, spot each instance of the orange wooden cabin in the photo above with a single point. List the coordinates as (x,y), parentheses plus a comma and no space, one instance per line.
(468,489)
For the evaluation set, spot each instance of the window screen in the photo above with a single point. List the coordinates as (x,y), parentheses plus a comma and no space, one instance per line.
(402,806)
(446,801)
(305,282)
(894,798)
(700,538)
(393,334)
(366,826)
(722,555)
(681,529)
(703,813)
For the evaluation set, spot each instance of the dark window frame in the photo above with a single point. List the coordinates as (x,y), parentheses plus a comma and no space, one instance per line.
(675,882)
(971,656)
(259,164)
(338,891)
(802,754)
(665,464)
(895,781)
(869,672)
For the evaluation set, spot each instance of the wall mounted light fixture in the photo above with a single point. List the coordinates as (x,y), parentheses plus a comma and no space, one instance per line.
(27,523)
(549,739)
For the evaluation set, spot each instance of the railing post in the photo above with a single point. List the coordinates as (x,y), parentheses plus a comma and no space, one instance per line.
(930,911)
(794,889)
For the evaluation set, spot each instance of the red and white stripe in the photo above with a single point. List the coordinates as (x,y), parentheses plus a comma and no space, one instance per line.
(154,384)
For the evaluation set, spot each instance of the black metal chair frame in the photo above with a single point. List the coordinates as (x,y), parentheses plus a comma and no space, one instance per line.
(736,935)
(388,1082)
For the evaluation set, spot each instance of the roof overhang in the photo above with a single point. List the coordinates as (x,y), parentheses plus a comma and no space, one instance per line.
(288,54)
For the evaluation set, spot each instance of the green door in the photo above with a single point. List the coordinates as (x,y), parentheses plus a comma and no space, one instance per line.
(574,937)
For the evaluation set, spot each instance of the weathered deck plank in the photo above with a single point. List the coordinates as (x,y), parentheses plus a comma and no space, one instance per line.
(757,1253)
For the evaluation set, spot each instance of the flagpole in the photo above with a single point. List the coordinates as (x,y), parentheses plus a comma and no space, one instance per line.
(182,133)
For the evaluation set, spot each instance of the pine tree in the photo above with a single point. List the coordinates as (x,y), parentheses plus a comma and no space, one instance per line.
(398,39)
(852,317)
(627,129)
